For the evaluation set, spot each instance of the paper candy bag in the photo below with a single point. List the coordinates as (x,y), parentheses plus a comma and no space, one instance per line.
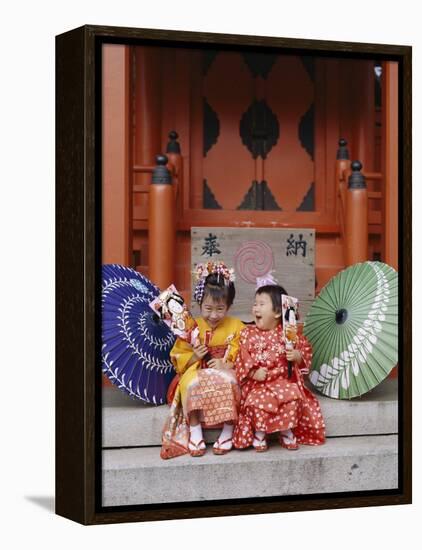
(171,308)
(290,316)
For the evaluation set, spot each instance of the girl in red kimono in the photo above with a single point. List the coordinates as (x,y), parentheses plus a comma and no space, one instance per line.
(270,400)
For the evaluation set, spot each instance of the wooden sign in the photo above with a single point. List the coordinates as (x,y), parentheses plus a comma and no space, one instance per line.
(253,252)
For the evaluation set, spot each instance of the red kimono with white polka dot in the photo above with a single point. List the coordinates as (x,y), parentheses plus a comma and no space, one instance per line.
(277,403)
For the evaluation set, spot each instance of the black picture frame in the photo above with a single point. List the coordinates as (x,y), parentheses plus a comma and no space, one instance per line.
(78,238)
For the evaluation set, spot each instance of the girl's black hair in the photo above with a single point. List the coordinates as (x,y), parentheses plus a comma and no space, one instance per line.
(217,290)
(175,296)
(274,292)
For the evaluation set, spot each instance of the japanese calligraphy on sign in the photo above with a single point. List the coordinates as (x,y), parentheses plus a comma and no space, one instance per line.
(253,252)
(210,246)
(295,246)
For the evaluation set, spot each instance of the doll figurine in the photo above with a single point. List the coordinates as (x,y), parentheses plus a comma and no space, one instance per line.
(171,308)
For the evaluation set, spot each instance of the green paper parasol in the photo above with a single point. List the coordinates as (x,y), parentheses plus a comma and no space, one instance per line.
(353,328)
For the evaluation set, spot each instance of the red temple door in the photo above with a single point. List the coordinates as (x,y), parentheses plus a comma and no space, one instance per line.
(258,127)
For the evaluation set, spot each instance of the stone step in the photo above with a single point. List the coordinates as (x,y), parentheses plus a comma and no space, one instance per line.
(140,476)
(129,423)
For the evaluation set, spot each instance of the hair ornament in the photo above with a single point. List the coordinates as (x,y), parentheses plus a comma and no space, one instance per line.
(201,272)
(265,280)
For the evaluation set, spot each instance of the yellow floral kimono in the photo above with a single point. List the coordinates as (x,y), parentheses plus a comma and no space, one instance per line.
(214,393)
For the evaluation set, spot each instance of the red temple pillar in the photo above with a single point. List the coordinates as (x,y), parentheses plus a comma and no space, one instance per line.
(390,161)
(356,217)
(116,234)
(162,226)
(147,102)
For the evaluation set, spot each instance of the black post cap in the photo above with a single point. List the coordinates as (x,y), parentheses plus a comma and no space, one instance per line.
(161,174)
(356,179)
(173,146)
(342,151)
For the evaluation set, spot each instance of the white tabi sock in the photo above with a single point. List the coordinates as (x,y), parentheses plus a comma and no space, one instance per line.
(289,435)
(226,434)
(196,436)
(259,439)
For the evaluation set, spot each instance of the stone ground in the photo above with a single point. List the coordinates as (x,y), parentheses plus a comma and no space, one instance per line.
(361,453)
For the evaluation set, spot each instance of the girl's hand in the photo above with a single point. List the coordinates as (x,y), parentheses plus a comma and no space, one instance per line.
(293,355)
(199,351)
(260,374)
(219,364)
(216,364)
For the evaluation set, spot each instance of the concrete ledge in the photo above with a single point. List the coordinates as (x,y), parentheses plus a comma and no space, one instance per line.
(129,423)
(140,476)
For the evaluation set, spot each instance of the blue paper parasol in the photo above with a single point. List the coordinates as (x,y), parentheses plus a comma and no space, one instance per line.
(136,344)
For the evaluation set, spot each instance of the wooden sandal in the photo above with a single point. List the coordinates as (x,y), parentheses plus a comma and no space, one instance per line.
(262,447)
(218,450)
(287,443)
(197,451)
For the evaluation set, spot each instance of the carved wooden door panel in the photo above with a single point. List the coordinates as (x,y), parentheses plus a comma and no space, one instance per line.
(258,128)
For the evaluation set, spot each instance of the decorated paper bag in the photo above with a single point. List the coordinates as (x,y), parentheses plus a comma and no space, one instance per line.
(290,315)
(171,308)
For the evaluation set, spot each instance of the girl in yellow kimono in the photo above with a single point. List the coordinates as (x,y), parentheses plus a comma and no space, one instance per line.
(207,394)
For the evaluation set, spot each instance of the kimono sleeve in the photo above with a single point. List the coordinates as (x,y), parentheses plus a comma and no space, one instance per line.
(274,373)
(244,362)
(235,344)
(304,347)
(180,355)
